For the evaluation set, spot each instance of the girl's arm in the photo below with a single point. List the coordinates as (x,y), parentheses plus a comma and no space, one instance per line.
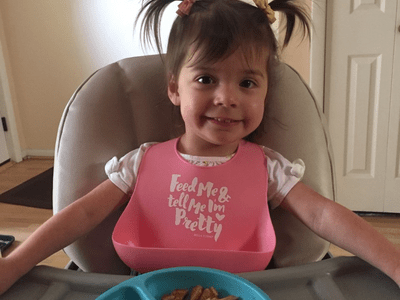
(60,230)
(343,228)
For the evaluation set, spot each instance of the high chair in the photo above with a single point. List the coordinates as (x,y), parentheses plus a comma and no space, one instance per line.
(125,104)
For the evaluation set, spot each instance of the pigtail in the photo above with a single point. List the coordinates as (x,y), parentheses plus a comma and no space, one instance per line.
(293,11)
(152,11)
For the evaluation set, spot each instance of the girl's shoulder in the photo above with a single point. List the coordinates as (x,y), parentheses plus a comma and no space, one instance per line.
(277,161)
(272,154)
(283,175)
(123,172)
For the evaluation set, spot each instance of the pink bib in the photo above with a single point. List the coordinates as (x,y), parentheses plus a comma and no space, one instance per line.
(186,215)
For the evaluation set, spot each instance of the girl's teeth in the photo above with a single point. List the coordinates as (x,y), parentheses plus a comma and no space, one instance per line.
(222,120)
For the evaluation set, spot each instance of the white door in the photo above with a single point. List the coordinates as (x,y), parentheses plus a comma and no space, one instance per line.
(392,197)
(361,107)
(4,156)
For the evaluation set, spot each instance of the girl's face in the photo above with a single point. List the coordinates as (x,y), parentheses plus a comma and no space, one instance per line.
(221,103)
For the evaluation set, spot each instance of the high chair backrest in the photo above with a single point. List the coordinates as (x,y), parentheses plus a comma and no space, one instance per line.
(125,104)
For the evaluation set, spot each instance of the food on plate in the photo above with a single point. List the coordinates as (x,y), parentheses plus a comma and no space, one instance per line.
(197,293)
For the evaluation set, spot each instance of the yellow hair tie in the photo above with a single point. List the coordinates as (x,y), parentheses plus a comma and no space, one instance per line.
(184,7)
(264,6)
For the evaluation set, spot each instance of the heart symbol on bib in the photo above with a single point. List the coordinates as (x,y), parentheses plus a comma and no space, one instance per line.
(219,217)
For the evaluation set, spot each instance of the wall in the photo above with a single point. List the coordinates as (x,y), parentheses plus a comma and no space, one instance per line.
(297,53)
(52,46)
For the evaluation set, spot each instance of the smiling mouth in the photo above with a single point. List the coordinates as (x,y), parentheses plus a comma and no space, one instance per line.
(223,121)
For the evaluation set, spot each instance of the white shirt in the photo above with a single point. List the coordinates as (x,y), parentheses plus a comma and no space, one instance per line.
(282,174)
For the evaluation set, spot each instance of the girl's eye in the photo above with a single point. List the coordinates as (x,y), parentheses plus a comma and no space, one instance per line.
(247,84)
(205,80)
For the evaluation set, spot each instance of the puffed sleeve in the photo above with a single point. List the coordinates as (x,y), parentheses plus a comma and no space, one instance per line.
(123,172)
(283,175)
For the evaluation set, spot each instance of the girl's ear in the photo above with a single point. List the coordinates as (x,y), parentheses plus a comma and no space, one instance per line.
(173,93)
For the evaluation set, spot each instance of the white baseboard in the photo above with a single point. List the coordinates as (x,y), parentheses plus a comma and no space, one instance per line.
(38,152)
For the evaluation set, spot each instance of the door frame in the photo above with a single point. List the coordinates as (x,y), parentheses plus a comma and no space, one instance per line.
(6,103)
(12,139)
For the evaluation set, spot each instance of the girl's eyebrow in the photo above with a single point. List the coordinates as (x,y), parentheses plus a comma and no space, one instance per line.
(246,71)
(255,72)
(201,68)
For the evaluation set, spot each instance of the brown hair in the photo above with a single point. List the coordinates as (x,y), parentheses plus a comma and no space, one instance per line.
(217,28)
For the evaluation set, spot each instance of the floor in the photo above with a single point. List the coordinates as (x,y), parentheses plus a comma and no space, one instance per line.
(21,221)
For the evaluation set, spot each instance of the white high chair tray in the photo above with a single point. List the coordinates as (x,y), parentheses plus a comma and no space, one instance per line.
(336,279)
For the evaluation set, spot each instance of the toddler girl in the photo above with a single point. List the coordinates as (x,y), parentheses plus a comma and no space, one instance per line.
(216,185)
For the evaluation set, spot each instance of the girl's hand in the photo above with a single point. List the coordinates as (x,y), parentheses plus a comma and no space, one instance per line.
(8,275)
(396,276)
(62,229)
(343,228)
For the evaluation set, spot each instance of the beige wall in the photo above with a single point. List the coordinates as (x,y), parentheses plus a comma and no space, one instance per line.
(52,46)
(41,62)
(297,54)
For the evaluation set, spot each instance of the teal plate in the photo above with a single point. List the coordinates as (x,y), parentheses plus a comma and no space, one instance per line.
(154,285)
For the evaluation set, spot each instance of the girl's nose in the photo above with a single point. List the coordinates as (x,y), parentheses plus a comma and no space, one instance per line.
(227,97)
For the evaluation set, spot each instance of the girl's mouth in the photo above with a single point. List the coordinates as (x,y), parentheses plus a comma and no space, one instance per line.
(223,121)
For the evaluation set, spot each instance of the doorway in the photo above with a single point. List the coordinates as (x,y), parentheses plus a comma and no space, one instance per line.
(362,101)
(4,156)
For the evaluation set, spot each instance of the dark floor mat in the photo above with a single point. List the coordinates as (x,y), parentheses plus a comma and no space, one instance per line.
(36,192)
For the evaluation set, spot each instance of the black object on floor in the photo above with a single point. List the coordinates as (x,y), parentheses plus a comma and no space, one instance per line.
(36,192)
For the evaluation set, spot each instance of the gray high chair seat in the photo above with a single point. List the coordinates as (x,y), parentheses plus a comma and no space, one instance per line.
(125,104)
